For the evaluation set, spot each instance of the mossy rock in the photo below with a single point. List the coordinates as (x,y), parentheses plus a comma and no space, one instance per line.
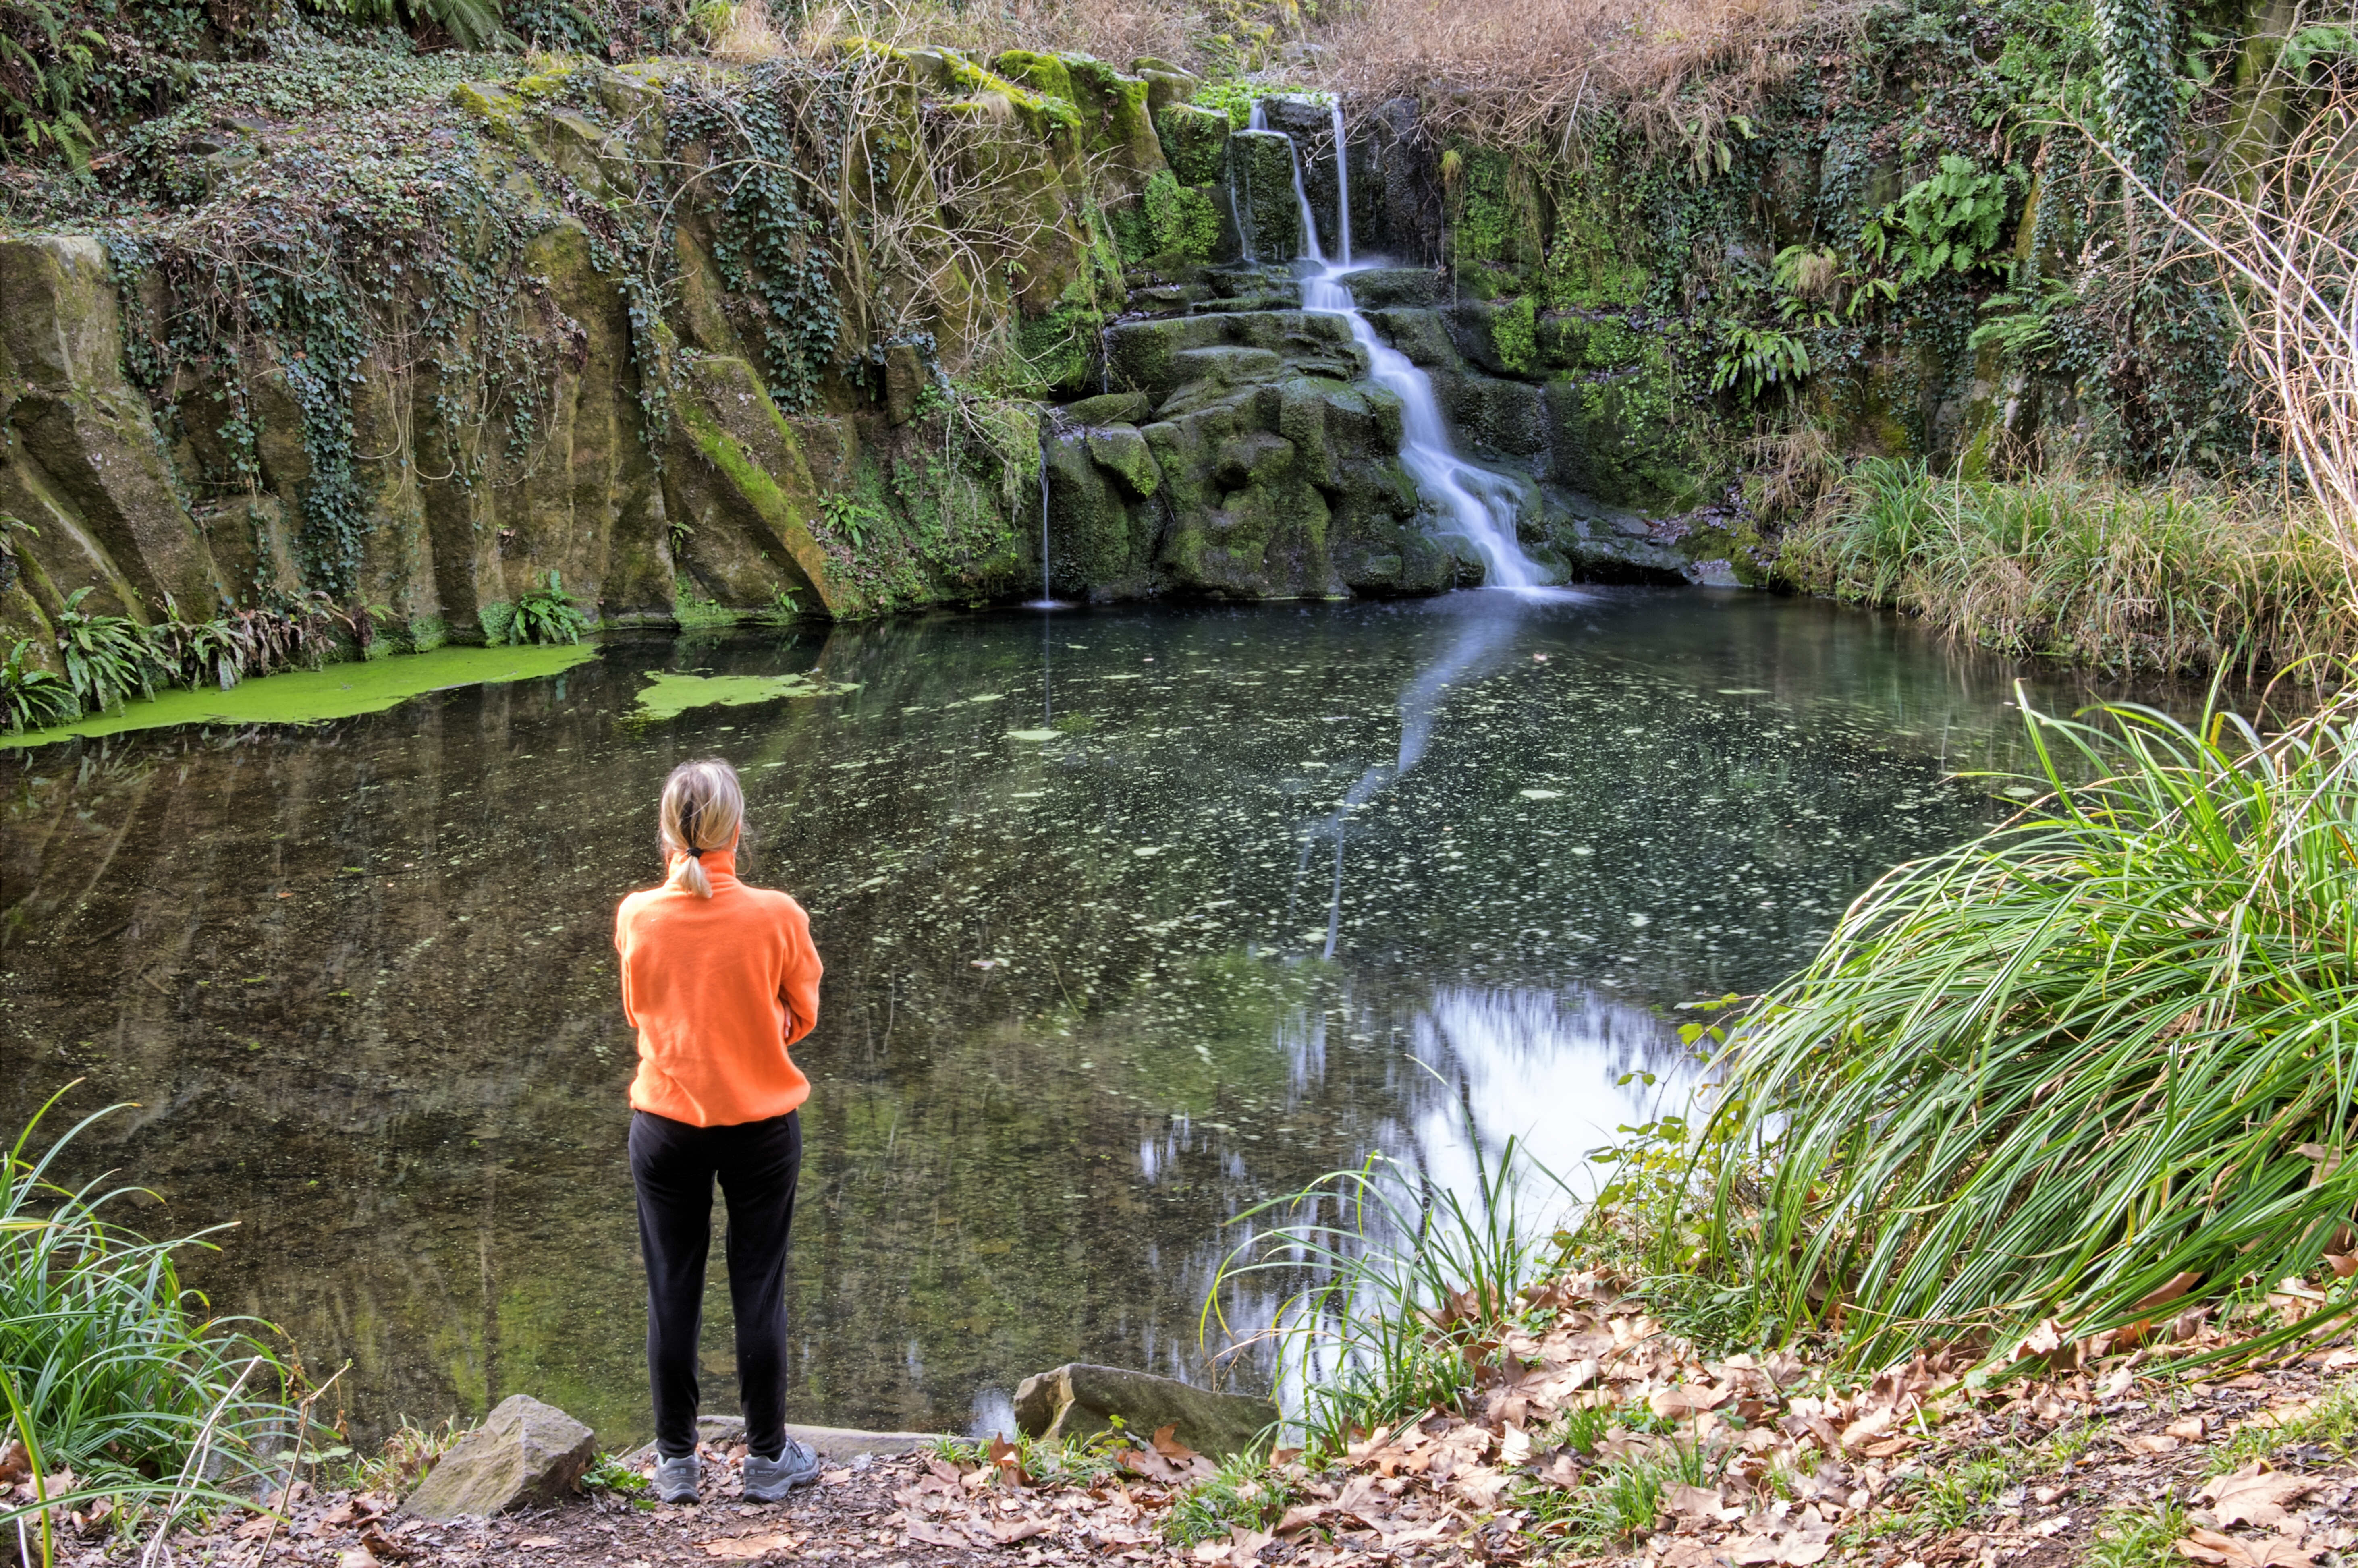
(1261,181)
(1098,545)
(1194,141)
(1121,451)
(1618,440)
(1166,83)
(1111,409)
(1387,288)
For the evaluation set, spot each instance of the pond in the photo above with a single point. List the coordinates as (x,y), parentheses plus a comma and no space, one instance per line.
(1132,918)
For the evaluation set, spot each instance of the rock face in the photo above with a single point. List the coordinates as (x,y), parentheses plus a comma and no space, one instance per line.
(758,436)
(527,1454)
(1079,1400)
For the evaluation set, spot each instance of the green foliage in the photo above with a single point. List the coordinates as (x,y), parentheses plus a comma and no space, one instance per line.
(1754,359)
(115,1371)
(1247,1493)
(2140,91)
(608,1474)
(2102,1046)
(30,697)
(2139,1536)
(851,520)
(2160,579)
(106,658)
(1514,332)
(762,139)
(48,56)
(1180,220)
(545,613)
(2021,326)
(1955,220)
(471,24)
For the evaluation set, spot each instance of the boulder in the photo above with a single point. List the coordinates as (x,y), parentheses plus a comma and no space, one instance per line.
(1166,83)
(526,1454)
(1080,1400)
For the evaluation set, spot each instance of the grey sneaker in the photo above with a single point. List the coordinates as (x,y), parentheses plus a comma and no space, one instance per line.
(767,1480)
(676,1479)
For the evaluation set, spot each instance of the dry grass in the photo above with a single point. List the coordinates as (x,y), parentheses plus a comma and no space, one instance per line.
(1114,30)
(2284,237)
(1531,70)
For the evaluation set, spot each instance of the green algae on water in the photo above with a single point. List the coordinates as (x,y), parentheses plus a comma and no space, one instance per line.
(668,695)
(337,691)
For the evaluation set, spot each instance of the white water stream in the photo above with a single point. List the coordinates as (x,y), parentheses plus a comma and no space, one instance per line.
(1480,505)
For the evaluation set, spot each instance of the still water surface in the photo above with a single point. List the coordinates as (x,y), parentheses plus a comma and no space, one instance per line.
(1132,918)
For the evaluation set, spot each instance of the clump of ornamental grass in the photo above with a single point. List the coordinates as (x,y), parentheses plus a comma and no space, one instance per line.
(2169,579)
(2102,1057)
(114,1371)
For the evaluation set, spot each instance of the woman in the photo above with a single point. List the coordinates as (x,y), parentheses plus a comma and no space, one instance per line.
(718,979)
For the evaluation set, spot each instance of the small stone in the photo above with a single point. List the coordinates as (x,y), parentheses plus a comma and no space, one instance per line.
(1080,1400)
(526,1453)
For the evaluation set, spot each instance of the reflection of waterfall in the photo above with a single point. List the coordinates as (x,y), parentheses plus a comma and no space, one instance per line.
(1480,505)
(1480,638)
(1534,1065)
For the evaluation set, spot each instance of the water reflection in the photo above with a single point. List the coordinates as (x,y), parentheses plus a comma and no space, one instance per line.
(1090,996)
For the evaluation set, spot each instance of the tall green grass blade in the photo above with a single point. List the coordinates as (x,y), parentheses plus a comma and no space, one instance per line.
(2111,1042)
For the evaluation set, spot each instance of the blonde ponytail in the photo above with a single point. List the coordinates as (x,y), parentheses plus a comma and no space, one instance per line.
(703,807)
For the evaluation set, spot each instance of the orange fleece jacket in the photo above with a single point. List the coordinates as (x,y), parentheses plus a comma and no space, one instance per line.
(718,989)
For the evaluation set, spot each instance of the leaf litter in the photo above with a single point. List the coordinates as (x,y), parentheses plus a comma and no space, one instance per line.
(1591,1434)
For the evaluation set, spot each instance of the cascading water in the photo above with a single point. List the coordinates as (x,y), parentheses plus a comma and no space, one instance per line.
(1479,504)
(1046,600)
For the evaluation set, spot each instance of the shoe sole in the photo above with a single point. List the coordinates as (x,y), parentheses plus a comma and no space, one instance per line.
(766,1495)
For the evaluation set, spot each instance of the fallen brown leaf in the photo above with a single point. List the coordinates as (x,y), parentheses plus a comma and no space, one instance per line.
(2269,1551)
(2254,1494)
(744,1546)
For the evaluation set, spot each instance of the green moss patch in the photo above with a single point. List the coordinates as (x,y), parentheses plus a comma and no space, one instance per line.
(668,696)
(338,691)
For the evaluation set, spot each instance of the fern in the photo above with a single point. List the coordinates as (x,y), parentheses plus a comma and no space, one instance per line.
(1956,218)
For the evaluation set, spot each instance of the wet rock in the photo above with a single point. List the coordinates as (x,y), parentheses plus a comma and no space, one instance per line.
(1121,451)
(1079,1400)
(1166,84)
(904,382)
(526,1454)
(1194,141)
(1378,287)
(1261,179)
(1157,358)
(1113,408)
(1311,123)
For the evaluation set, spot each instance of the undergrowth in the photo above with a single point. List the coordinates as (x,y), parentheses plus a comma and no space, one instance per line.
(2131,577)
(113,1370)
(2092,1060)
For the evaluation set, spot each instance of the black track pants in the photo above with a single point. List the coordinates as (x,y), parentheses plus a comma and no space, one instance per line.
(672,1165)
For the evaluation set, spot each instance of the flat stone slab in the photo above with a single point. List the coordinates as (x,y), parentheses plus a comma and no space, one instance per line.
(1079,1400)
(835,1445)
(526,1454)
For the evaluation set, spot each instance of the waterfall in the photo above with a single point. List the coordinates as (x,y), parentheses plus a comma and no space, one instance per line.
(1480,505)
(1342,186)
(1046,600)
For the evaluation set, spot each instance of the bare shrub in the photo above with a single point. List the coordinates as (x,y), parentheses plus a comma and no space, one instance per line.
(1530,70)
(2284,235)
(1113,30)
